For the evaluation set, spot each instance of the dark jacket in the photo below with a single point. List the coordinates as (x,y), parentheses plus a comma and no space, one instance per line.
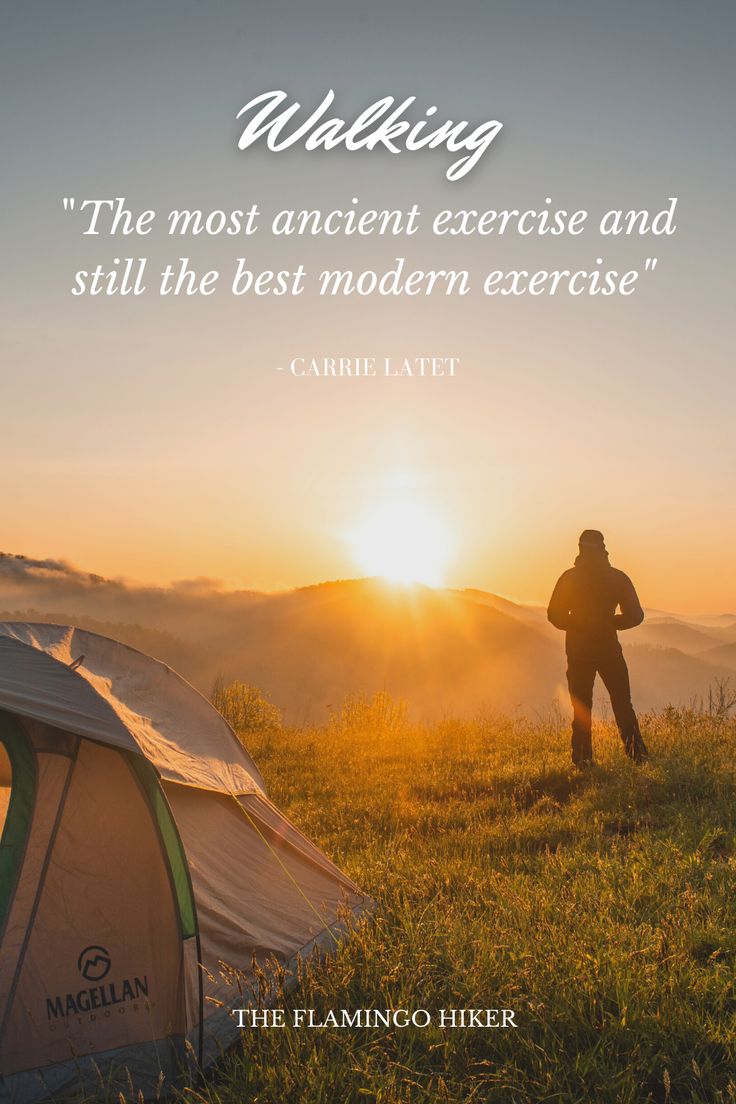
(586,598)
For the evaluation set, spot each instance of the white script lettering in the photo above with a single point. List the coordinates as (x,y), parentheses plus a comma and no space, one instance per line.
(381,124)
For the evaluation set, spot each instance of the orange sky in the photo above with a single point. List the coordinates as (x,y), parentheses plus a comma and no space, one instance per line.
(164,439)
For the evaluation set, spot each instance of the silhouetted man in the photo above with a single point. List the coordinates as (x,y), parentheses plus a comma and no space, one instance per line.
(584,605)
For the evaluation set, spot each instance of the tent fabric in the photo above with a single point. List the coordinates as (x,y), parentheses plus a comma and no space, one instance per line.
(103,927)
(33,684)
(293,892)
(220,1029)
(117,695)
(149,1064)
(51,778)
(144,870)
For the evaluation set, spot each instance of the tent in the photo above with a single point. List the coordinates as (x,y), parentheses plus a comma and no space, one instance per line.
(141,863)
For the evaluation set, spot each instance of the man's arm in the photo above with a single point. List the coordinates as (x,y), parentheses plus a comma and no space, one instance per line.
(558,610)
(631,613)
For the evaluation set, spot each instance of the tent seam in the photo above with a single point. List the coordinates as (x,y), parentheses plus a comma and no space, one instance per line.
(185,861)
(40,888)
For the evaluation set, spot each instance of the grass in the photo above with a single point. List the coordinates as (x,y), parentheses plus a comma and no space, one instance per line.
(600,906)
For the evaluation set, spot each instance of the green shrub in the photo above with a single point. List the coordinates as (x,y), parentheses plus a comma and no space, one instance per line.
(376,716)
(244,707)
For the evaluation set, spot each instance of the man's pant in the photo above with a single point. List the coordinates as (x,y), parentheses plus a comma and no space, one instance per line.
(608,662)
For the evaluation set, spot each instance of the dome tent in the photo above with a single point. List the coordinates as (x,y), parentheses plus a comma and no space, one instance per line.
(139,858)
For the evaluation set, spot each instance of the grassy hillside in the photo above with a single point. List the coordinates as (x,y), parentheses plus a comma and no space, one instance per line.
(600,907)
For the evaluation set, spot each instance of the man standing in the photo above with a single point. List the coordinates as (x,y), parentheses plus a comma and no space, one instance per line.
(584,604)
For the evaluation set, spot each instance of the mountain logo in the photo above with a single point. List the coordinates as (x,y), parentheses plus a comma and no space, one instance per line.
(94,963)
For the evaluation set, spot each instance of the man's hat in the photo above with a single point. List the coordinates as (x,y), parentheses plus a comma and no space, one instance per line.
(592,538)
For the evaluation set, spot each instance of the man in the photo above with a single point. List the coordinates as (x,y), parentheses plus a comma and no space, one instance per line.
(584,605)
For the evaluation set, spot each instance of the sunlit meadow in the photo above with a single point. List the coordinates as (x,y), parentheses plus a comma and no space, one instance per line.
(600,906)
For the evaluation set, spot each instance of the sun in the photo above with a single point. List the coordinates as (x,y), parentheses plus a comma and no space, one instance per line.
(403,540)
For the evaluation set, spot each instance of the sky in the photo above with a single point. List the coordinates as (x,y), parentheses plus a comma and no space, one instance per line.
(162,439)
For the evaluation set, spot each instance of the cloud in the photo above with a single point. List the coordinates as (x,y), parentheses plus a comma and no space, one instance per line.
(54,588)
(29,570)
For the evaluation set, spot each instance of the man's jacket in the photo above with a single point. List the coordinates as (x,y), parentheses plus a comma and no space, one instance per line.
(585,601)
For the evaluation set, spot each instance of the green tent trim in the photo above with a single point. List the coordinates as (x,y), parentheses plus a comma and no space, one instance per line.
(20,809)
(171,841)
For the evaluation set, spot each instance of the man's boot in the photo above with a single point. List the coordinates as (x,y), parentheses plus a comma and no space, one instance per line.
(634,744)
(582,749)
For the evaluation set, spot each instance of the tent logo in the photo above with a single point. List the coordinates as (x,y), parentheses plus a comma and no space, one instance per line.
(94,963)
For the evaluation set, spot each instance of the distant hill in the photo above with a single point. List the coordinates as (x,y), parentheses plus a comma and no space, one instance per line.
(535,615)
(446,651)
(674,634)
(441,651)
(664,676)
(724,655)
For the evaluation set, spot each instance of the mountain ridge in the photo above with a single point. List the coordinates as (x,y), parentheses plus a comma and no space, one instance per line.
(443,650)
